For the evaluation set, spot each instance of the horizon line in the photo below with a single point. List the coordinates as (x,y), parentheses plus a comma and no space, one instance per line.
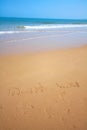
(44,18)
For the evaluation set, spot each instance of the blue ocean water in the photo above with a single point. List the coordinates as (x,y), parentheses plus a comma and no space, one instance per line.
(10,25)
(40,34)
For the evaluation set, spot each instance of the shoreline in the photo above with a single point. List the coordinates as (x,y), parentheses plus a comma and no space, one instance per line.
(37,42)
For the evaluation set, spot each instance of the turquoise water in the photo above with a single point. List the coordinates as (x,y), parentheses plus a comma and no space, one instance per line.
(22,34)
(36,24)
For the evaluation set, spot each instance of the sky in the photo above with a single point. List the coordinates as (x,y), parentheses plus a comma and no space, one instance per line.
(60,9)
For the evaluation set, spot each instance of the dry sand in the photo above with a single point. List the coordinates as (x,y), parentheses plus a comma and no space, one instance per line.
(44,91)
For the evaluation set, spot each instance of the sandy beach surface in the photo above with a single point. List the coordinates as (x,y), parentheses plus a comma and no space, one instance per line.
(44,90)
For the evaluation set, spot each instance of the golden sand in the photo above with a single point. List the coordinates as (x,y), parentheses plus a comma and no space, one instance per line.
(44,91)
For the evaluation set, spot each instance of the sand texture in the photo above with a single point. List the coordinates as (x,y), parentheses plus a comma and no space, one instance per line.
(44,91)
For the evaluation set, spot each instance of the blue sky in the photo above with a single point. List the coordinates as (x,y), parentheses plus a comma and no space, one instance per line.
(71,9)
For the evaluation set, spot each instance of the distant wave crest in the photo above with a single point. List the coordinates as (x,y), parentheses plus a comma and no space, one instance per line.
(54,27)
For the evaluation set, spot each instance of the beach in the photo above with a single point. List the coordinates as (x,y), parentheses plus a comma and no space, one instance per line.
(43,74)
(43,65)
(44,90)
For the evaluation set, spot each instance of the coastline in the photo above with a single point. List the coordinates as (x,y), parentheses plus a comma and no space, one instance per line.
(41,41)
(20,35)
(44,90)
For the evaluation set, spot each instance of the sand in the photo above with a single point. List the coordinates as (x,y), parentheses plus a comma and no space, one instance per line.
(44,91)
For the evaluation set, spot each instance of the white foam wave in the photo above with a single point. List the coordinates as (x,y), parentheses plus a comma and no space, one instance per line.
(55,26)
(9,32)
(45,28)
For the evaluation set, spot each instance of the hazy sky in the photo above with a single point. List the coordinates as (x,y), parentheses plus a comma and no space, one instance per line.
(44,8)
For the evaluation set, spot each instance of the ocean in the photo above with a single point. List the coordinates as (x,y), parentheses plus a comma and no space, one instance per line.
(14,25)
(19,30)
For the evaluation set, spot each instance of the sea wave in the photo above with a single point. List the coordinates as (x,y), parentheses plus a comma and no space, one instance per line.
(55,26)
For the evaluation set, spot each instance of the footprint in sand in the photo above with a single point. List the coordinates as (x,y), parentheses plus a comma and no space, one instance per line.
(38,88)
(61,96)
(68,111)
(74,84)
(28,108)
(68,85)
(25,109)
(61,85)
(49,113)
(32,106)
(14,92)
(41,88)
(57,85)
(77,84)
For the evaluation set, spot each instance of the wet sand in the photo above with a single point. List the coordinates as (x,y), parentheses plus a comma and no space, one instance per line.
(44,90)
